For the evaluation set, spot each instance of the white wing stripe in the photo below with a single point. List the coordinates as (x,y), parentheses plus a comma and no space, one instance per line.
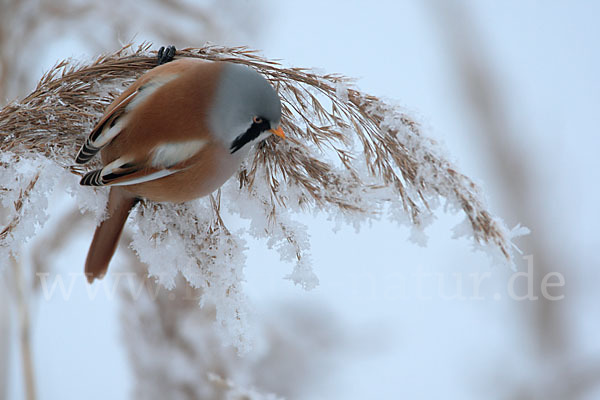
(142,179)
(168,154)
(147,89)
(111,167)
(137,97)
(108,134)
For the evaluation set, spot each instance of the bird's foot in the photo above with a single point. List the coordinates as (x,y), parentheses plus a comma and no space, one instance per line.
(165,54)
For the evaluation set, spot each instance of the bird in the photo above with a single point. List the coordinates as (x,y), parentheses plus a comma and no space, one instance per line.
(175,134)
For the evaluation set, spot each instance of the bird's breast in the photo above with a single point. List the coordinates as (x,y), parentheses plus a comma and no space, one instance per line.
(208,170)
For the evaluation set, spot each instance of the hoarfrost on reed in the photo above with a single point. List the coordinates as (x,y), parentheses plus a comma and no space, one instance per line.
(349,155)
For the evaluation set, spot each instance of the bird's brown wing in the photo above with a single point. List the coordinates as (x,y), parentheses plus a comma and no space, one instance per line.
(116,116)
(165,159)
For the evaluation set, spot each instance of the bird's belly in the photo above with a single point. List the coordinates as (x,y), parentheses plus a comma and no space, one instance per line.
(211,171)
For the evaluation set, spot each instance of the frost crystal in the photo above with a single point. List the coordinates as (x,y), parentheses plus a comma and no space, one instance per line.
(25,184)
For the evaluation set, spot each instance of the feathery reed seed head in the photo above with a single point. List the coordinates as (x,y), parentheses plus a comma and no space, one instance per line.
(349,154)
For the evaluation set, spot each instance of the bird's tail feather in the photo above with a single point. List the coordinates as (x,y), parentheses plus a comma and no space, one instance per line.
(108,233)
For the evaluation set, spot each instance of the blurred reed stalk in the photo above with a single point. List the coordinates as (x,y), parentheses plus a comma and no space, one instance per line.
(29,29)
(549,327)
(22,299)
(5,331)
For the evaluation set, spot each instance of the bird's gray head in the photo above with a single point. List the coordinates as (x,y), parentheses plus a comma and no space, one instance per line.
(246,109)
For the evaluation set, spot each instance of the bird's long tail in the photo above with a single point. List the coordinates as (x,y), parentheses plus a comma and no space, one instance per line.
(108,233)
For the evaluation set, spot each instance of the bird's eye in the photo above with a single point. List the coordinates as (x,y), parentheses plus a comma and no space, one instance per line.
(257,120)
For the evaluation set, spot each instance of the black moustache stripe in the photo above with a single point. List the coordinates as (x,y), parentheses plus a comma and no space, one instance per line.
(252,133)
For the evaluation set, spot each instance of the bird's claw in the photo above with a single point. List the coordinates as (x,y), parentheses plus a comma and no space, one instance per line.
(165,54)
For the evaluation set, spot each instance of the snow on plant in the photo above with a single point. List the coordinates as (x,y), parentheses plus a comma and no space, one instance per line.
(175,351)
(349,155)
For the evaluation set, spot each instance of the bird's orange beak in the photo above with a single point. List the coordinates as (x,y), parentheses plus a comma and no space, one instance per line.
(278,132)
